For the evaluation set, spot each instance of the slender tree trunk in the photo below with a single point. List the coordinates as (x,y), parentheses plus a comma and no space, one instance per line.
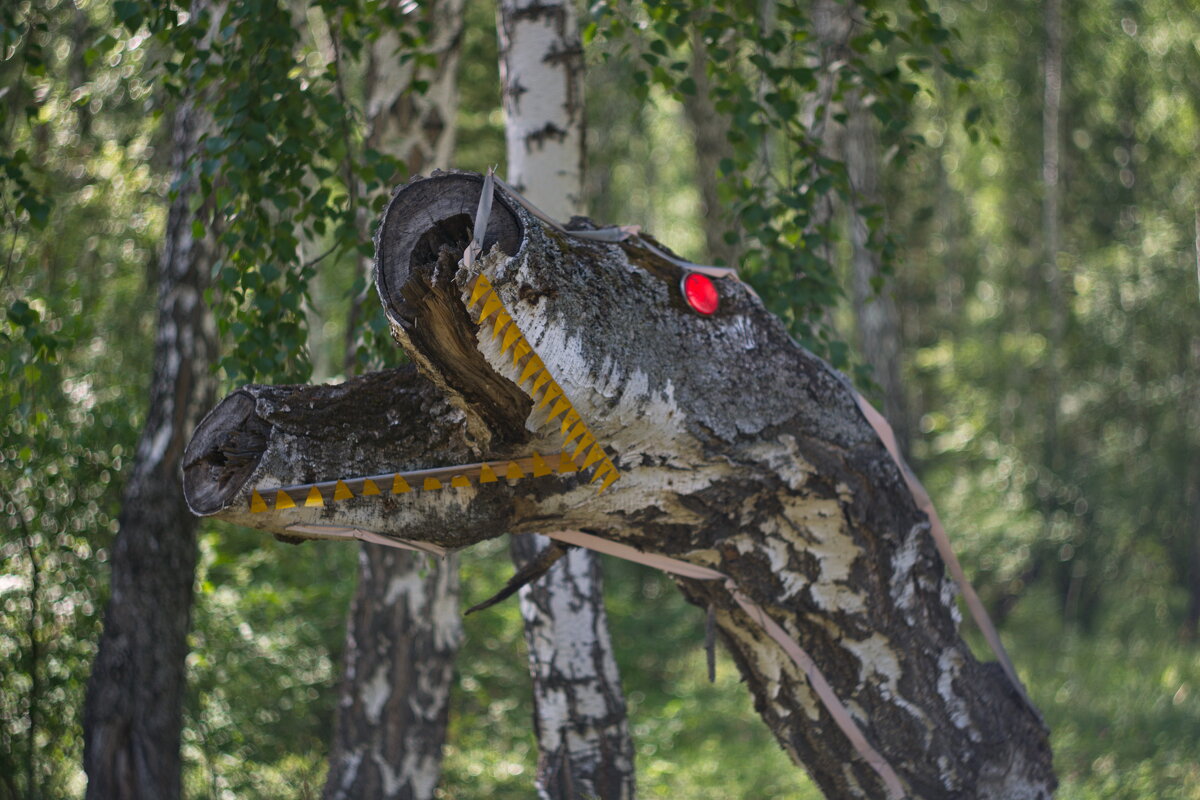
(404,629)
(1192,623)
(133,710)
(404,632)
(876,315)
(755,461)
(709,129)
(1055,315)
(585,750)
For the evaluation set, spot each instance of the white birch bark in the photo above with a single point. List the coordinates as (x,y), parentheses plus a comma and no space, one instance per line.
(583,737)
(541,70)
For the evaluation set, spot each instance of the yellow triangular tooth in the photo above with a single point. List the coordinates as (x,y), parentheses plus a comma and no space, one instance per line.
(369,488)
(566,464)
(257,504)
(559,407)
(284,500)
(604,467)
(490,307)
(514,472)
(487,474)
(539,381)
(587,441)
(540,467)
(597,453)
(531,366)
(521,350)
(608,480)
(431,484)
(481,287)
(510,336)
(552,391)
(578,430)
(399,485)
(341,491)
(460,481)
(502,320)
(314,499)
(570,419)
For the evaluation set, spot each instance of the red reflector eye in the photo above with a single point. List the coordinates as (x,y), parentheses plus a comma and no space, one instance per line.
(700,292)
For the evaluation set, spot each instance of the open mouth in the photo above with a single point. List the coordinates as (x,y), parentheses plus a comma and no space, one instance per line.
(580,449)
(445,310)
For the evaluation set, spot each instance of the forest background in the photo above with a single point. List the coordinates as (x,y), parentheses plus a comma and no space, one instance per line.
(1049,351)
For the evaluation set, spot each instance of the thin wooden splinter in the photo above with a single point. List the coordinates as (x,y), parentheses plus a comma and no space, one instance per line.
(533,569)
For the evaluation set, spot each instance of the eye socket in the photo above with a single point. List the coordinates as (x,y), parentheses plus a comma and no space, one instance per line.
(700,293)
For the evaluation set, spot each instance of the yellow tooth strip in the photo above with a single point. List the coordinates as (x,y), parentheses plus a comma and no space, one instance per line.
(571,427)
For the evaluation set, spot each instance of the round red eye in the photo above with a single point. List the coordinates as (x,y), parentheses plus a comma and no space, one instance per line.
(700,292)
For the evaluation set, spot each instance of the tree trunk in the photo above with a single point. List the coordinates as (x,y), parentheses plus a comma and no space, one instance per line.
(585,750)
(403,635)
(133,709)
(876,316)
(709,129)
(579,710)
(735,448)
(541,71)
(404,629)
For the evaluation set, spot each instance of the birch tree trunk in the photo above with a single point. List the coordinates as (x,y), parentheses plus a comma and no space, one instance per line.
(404,628)
(133,709)
(736,449)
(584,746)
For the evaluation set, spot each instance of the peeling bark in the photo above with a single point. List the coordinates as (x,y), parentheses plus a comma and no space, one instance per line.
(134,705)
(738,450)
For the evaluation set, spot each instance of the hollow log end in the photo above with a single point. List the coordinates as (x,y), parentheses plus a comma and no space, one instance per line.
(223,452)
(424,216)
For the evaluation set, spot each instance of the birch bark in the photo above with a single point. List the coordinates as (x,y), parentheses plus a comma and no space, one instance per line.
(584,745)
(134,705)
(404,628)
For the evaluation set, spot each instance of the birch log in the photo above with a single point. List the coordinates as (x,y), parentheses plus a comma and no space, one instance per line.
(738,450)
